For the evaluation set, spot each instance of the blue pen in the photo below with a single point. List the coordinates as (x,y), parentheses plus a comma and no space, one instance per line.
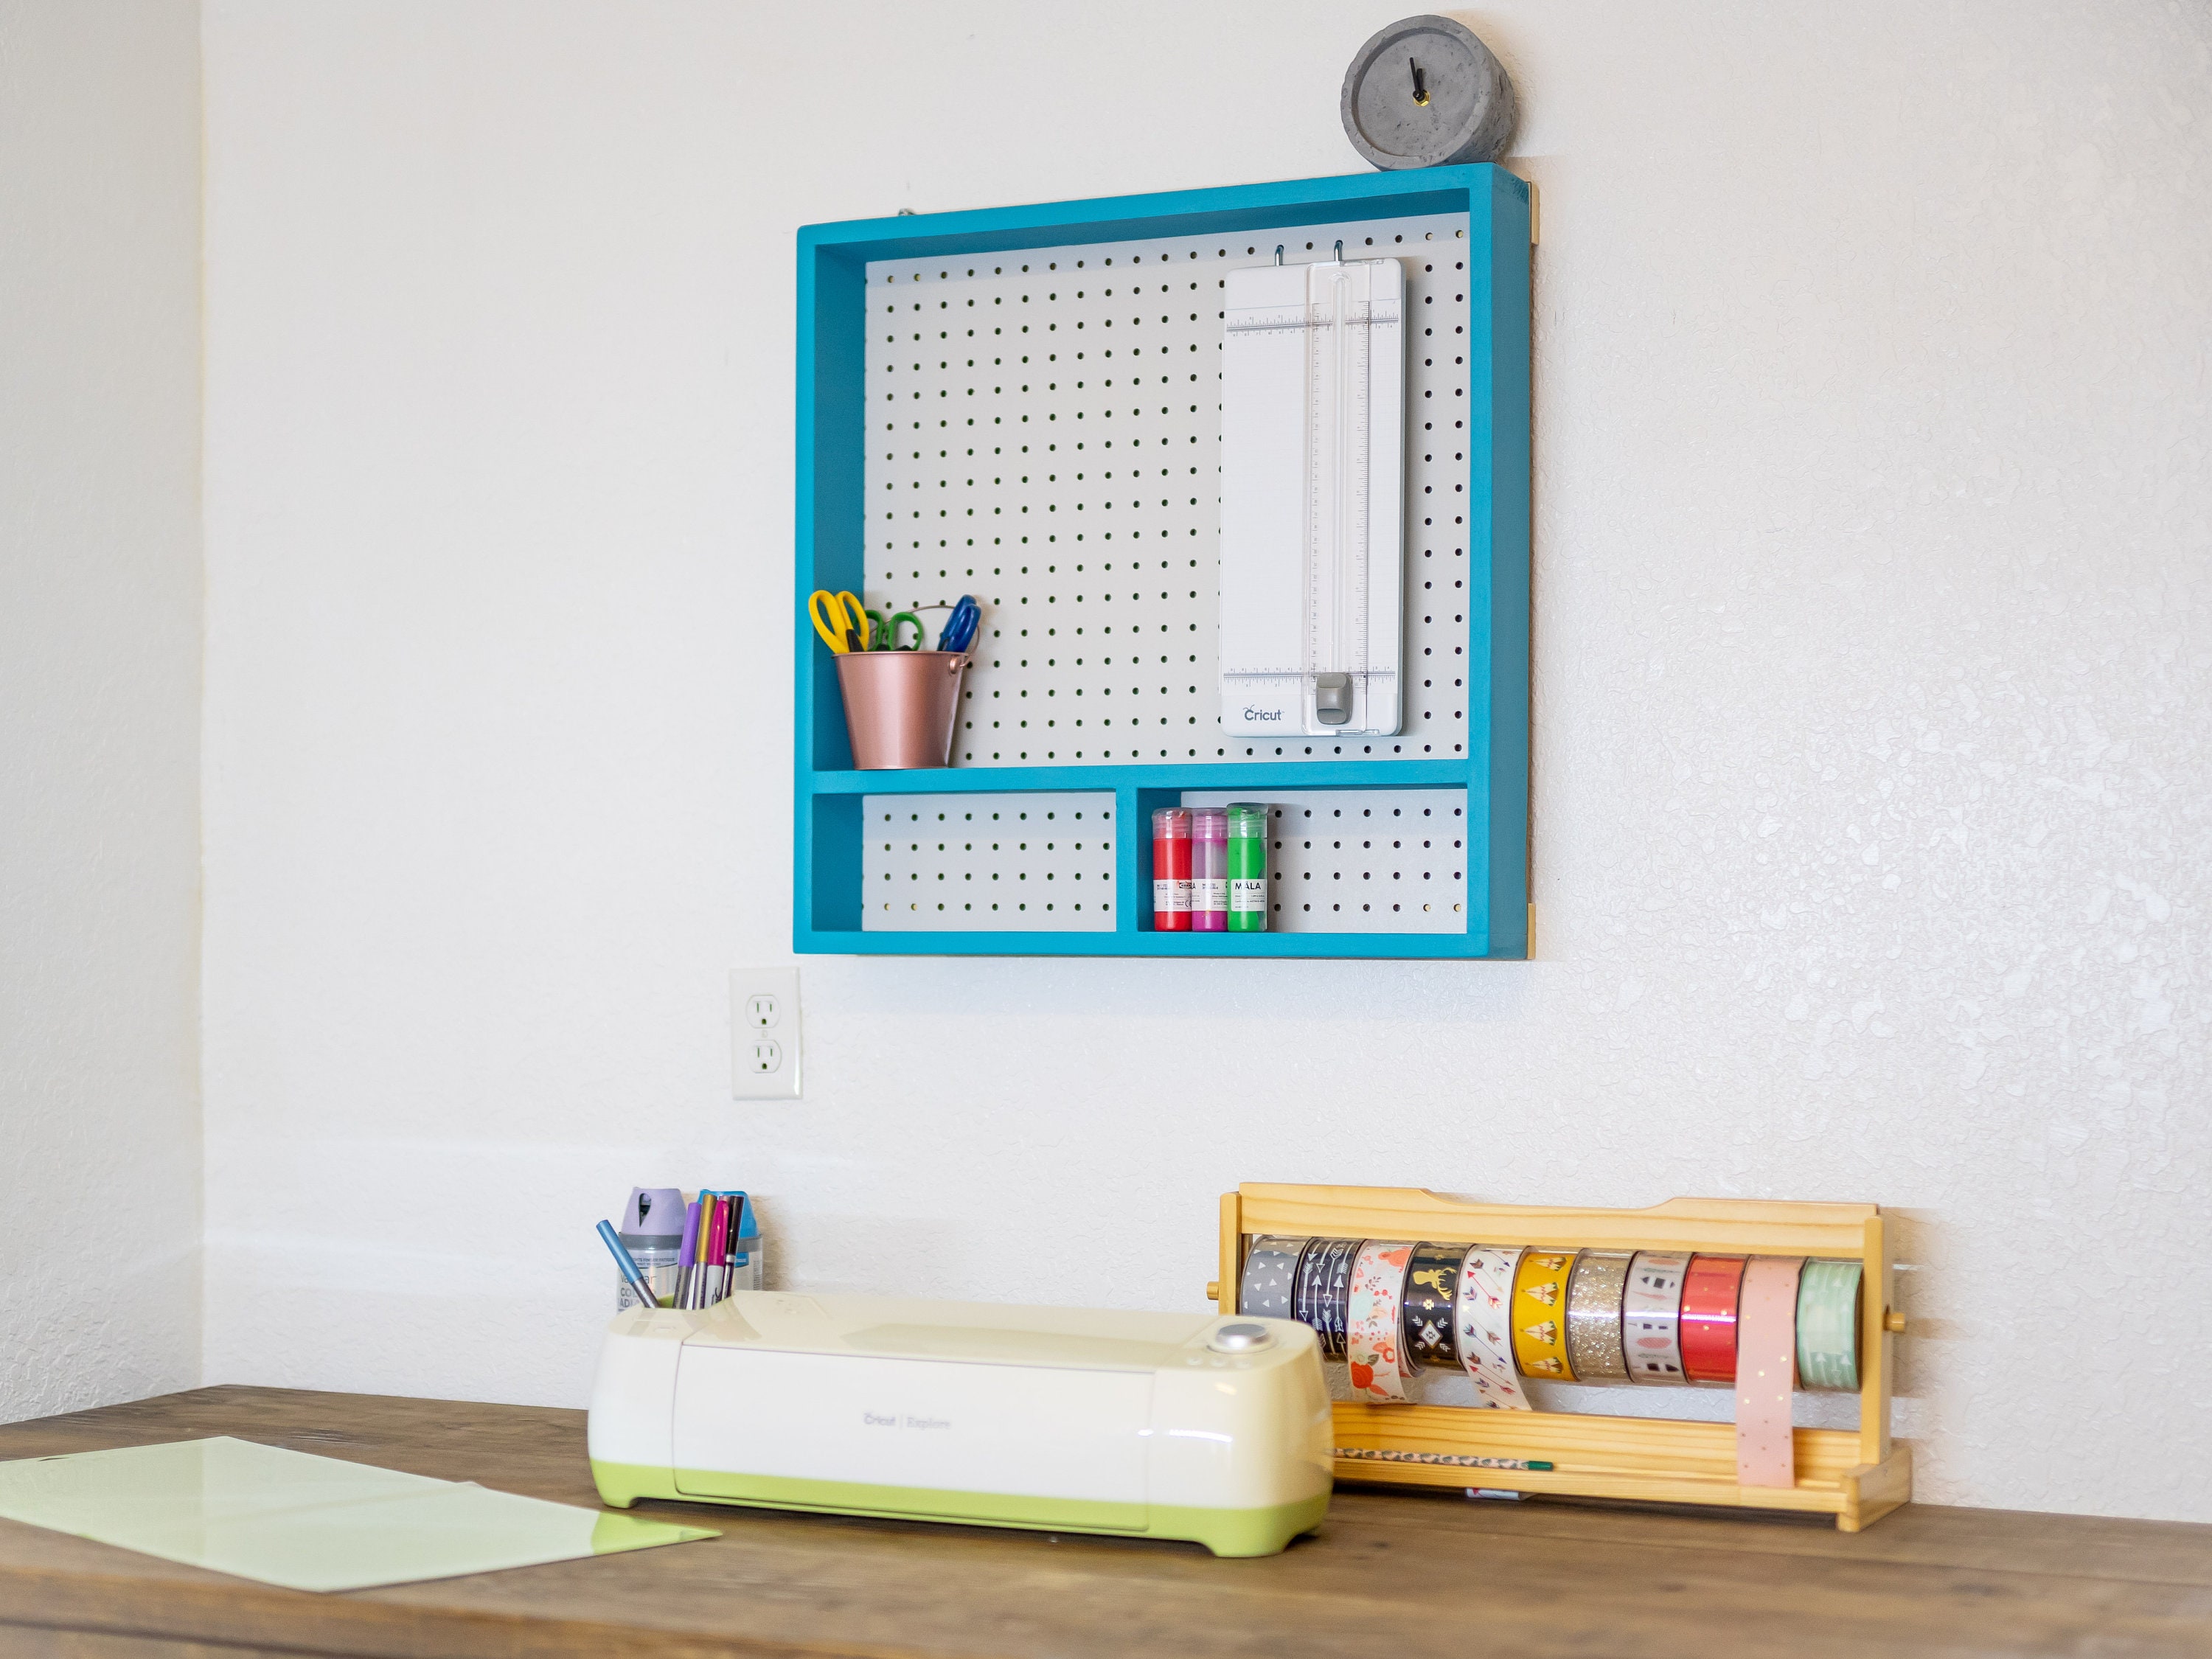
(627,1264)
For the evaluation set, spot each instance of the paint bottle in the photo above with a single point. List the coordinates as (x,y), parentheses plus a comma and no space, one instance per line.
(1247,867)
(1171,870)
(651,1230)
(1209,869)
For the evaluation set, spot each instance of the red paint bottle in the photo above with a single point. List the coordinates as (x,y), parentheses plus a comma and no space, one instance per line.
(1171,870)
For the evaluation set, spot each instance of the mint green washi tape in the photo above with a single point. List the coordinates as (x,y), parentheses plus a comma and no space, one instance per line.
(1828,1326)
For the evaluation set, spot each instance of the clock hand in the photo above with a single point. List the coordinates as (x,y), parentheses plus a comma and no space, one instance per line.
(1420,92)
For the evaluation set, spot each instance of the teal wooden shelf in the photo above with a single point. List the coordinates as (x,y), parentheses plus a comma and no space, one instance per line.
(831,541)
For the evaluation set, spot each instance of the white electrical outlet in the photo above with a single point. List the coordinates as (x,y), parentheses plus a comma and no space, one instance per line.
(764,1033)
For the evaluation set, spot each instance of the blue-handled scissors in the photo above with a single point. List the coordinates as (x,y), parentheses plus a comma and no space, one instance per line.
(959,631)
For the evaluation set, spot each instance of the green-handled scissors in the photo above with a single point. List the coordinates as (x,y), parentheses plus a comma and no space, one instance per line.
(883,635)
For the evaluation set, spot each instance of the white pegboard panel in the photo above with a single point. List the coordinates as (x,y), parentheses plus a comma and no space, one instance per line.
(1044,432)
(1012,863)
(1361,860)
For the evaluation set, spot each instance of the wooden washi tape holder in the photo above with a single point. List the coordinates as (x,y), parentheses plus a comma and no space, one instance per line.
(1858,1476)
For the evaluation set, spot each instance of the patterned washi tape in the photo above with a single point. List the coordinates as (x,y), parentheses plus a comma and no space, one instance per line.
(1708,1324)
(1375,1347)
(1540,1314)
(1828,1325)
(1431,1286)
(1269,1286)
(1324,1288)
(1481,1321)
(1765,1372)
(1651,1317)
(1593,1297)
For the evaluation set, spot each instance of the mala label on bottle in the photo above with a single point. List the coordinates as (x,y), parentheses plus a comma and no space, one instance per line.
(1209,893)
(1170,896)
(1247,897)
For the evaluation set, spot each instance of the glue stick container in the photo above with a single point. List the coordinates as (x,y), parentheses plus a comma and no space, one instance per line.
(1247,868)
(1171,870)
(651,1230)
(1209,869)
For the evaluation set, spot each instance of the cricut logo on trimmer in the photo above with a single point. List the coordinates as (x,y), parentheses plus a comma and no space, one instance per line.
(1263,713)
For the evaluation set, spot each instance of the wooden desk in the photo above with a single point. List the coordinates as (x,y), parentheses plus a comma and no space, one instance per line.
(1390,1573)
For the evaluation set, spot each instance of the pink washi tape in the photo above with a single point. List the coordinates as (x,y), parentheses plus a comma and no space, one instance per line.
(1479,1323)
(1766,1372)
(1374,1346)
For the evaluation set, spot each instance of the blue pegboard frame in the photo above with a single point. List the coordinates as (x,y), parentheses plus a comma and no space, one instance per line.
(827,831)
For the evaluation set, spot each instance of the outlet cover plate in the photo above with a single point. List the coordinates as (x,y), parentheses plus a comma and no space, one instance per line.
(764,1043)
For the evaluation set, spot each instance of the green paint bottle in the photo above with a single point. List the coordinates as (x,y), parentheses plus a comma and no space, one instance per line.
(1247,868)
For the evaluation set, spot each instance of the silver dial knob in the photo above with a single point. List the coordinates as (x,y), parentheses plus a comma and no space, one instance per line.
(1241,1338)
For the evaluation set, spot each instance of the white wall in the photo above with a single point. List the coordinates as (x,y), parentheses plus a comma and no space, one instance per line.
(1871,654)
(99,684)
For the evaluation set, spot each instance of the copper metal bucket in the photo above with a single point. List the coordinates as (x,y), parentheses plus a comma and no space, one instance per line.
(900,706)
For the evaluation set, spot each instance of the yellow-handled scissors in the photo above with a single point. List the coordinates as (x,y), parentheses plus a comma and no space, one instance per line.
(839,619)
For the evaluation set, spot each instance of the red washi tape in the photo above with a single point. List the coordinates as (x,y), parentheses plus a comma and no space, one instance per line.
(1708,1326)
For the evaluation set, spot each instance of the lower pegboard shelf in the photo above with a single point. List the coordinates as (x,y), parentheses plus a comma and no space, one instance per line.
(1357,871)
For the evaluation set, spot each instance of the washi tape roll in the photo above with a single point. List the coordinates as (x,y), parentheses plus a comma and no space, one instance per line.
(1269,1288)
(1324,1289)
(1540,1314)
(1828,1325)
(1708,1324)
(1651,1317)
(1766,1372)
(1432,1288)
(1481,1321)
(1375,1347)
(1594,1297)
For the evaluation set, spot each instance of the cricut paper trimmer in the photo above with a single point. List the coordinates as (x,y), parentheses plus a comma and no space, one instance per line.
(1150,1424)
(1313,499)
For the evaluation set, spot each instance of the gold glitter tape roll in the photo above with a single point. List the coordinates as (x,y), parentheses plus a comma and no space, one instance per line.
(1828,1326)
(1374,1345)
(1483,1328)
(1593,1297)
(1651,1317)
(1540,1314)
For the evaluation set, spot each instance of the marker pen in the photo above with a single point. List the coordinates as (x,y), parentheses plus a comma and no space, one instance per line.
(1247,868)
(1171,870)
(1209,870)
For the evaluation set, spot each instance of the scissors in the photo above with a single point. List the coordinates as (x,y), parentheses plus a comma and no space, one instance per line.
(839,619)
(883,633)
(959,631)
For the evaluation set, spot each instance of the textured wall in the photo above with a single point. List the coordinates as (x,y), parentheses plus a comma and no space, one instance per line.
(100,680)
(1871,639)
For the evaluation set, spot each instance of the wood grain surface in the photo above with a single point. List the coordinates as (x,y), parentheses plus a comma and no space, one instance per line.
(1396,1569)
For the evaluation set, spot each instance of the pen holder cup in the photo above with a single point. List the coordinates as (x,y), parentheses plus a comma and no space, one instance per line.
(900,706)
(748,1272)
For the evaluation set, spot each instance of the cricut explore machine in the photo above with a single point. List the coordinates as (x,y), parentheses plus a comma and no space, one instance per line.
(1161,1425)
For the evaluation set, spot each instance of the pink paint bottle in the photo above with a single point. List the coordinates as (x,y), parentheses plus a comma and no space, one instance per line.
(1209,870)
